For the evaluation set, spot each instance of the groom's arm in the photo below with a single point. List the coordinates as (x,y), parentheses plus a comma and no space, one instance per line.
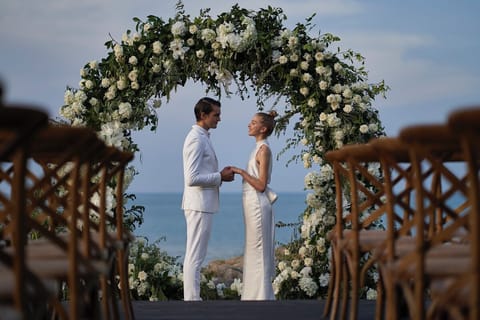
(193,158)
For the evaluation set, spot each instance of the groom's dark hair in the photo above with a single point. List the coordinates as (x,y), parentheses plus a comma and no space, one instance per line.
(205,105)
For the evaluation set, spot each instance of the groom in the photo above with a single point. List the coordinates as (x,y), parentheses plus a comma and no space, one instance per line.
(201,192)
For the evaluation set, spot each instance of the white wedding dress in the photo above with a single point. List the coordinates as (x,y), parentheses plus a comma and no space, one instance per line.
(258,264)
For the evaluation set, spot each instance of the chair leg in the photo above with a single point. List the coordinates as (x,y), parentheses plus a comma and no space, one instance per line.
(124,287)
(337,284)
(345,281)
(331,287)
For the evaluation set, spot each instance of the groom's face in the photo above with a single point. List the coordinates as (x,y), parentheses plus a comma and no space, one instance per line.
(211,119)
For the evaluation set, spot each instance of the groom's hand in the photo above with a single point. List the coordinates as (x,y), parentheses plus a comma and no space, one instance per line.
(227,174)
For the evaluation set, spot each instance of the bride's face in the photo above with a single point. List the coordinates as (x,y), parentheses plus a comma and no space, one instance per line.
(256,127)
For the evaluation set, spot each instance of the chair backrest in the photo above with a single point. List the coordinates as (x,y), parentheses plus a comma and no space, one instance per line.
(18,124)
(466,124)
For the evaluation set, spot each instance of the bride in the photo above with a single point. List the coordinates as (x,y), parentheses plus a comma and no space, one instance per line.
(258,263)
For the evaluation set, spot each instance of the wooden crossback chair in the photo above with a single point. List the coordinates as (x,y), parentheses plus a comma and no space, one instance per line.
(102,238)
(460,297)
(55,215)
(440,227)
(19,286)
(401,238)
(358,228)
(110,168)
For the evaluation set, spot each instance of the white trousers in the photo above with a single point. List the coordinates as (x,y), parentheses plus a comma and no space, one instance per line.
(199,226)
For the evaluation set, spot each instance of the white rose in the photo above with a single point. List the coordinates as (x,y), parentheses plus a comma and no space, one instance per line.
(200,54)
(363,128)
(156,68)
(283,59)
(304,91)
(304,65)
(347,108)
(142,276)
(135,85)
(93,64)
(323,85)
(142,48)
(306,77)
(193,29)
(133,60)
(323,116)
(293,72)
(147,26)
(105,83)
(178,28)
(157,47)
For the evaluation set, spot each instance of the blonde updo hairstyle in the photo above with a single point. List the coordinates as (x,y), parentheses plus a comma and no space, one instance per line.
(268,120)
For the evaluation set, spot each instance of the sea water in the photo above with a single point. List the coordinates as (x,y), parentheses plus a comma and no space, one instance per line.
(164,218)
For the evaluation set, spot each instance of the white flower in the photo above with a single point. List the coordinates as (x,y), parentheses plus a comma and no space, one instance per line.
(308,285)
(156,68)
(135,85)
(364,128)
(324,279)
(133,75)
(211,284)
(372,127)
(142,276)
(307,77)
(208,35)
(323,85)
(323,116)
(93,64)
(93,101)
(371,294)
(294,57)
(319,56)
(337,67)
(125,110)
(177,48)
(122,83)
(136,37)
(142,48)
(157,47)
(237,286)
(178,28)
(304,91)
(347,108)
(200,54)
(282,59)
(282,265)
(193,29)
(147,26)
(312,102)
(295,263)
(308,262)
(105,83)
(304,65)
(302,251)
(68,97)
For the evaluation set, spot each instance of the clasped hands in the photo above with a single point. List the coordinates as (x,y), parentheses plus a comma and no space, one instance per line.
(228,173)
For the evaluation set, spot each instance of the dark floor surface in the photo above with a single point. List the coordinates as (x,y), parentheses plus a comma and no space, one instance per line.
(236,310)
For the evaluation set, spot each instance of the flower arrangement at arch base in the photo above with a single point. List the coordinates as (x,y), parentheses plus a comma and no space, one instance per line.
(323,92)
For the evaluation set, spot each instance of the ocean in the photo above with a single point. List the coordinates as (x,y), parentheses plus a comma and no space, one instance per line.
(163,217)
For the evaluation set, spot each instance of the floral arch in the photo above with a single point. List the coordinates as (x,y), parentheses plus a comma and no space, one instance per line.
(324,94)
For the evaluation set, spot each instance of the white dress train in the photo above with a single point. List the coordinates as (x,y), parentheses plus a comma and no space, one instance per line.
(258,264)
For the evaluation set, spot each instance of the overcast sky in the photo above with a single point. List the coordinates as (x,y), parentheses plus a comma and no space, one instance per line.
(426,51)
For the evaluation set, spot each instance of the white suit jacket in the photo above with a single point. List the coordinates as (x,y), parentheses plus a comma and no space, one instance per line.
(200,171)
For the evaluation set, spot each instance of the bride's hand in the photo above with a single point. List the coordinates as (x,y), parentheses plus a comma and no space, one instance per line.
(236,170)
